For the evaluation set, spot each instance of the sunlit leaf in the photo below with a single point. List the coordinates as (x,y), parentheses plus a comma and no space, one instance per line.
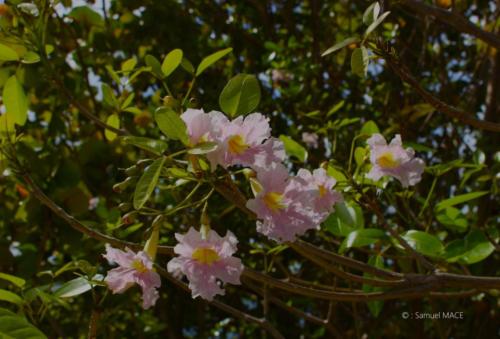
(376,23)
(293,148)
(171,62)
(359,61)
(458,199)
(19,282)
(211,59)
(157,147)
(73,288)
(240,96)
(171,124)
(10,297)
(7,53)
(424,243)
(113,121)
(13,326)
(15,101)
(147,182)
(361,237)
(474,248)
(340,45)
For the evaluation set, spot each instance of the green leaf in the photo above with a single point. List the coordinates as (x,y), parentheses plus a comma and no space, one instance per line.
(129,65)
(85,15)
(113,121)
(335,108)
(240,96)
(293,148)
(10,297)
(361,237)
(474,248)
(13,326)
(15,101)
(453,219)
(375,24)
(171,62)
(348,217)
(19,282)
(359,61)
(458,199)
(359,155)
(203,148)
(152,62)
(171,124)
(187,65)
(108,95)
(147,182)
(30,58)
(340,45)
(7,53)
(127,101)
(211,59)
(73,288)
(113,74)
(336,174)
(424,243)
(371,13)
(369,128)
(157,147)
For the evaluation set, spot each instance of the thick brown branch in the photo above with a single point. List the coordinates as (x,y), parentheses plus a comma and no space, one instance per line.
(454,20)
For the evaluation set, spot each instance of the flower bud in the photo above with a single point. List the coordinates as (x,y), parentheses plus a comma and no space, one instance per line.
(130,217)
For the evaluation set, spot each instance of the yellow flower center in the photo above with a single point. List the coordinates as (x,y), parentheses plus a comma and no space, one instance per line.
(139,266)
(322,190)
(387,160)
(205,255)
(273,200)
(237,144)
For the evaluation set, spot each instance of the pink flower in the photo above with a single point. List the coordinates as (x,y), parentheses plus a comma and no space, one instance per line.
(204,261)
(203,127)
(134,268)
(247,141)
(322,186)
(310,139)
(393,160)
(283,204)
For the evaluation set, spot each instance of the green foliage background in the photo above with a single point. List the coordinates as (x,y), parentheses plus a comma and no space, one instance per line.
(281,43)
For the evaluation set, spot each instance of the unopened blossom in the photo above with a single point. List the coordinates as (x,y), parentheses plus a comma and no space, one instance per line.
(284,205)
(133,268)
(325,197)
(247,142)
(206,261)
(393,160)
(310,139)
(203,127)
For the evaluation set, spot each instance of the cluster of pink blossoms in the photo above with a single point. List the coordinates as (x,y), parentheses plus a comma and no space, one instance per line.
(286,206)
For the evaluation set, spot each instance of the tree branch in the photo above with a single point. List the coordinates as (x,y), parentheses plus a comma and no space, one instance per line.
(454,20)
(464,117)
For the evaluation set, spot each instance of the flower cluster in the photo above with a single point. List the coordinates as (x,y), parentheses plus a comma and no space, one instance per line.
(285,206)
